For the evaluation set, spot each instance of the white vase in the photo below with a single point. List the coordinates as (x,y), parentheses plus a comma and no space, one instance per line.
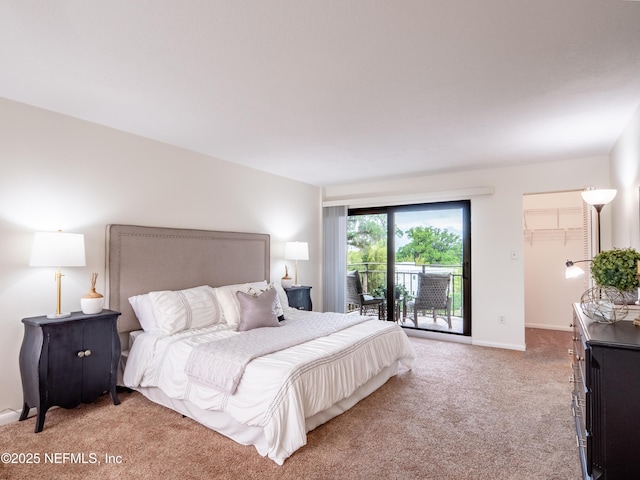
(92,303)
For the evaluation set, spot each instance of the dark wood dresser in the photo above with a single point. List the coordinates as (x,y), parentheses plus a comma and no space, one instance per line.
(68,361)
(606,396)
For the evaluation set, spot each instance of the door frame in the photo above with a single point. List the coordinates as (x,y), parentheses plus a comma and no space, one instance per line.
(390,211)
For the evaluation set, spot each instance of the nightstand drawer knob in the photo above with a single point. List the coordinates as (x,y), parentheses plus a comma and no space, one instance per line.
(85,353)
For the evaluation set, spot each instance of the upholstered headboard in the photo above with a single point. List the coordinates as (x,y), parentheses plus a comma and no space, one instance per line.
(147,259)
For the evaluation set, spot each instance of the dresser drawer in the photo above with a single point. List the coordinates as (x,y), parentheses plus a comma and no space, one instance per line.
(579,397)
(578,354)
(582,436)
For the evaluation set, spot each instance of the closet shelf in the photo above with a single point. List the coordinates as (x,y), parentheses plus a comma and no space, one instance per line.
(544,219)
(563,234)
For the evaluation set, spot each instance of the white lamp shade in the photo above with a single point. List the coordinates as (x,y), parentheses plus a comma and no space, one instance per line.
(599,196)
(296,251)
(57,249)
(573,271)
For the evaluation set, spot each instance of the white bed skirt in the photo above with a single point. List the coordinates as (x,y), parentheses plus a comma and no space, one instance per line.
(251,435)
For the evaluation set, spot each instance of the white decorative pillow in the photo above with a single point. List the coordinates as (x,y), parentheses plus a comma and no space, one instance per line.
(185,309)
(143,309)
(282,296)
(257,311)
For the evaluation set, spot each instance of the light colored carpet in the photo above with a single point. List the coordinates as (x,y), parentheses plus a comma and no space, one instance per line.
(464,412)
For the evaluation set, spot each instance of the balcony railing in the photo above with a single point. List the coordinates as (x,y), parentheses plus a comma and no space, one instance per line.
(374,279)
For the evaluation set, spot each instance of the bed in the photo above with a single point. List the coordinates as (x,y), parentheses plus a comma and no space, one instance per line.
(211,338)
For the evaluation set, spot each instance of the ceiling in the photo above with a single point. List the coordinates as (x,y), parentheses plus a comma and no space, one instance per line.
(336,91)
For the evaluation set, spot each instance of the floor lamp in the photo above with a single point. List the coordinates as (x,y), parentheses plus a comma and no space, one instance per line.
(598,198)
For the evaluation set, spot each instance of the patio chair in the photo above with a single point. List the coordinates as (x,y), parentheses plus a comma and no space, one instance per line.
(432,295)
(356,296)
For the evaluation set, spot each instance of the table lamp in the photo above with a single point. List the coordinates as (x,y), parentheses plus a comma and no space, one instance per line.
(57,249)
(296,251)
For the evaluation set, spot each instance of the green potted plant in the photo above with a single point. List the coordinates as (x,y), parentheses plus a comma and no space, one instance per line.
(618,268)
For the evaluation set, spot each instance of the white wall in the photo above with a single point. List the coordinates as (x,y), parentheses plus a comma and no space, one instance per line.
(496,230)
(625,176)
(62,173)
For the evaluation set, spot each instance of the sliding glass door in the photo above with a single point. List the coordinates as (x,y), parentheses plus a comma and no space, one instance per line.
(367,252)
(418,258)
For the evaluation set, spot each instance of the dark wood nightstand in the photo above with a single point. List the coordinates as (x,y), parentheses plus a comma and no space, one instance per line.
(299,297)
(68,361)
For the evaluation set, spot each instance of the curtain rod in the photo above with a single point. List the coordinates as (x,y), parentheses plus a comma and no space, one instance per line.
(411,198)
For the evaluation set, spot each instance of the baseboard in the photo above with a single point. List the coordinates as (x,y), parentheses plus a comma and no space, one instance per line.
(506,346)
(446,337)
(549,327)
(10,416)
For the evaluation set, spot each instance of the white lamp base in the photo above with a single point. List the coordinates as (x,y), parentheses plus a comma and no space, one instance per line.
(58,315)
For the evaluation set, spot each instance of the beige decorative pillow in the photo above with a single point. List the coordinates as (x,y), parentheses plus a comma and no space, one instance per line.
(257,311)
(277,309)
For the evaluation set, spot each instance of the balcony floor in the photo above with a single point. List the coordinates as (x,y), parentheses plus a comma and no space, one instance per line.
(425,322)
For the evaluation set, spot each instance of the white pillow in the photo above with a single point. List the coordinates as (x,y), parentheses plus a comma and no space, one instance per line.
(282,296)
(143,309)
(185,309)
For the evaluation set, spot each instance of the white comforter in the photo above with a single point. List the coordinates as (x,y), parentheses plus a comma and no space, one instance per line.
(279,390)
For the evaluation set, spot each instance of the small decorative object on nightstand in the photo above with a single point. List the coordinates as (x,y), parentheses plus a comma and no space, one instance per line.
(68,361)
(93,301)
(299,297)
(286,281)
